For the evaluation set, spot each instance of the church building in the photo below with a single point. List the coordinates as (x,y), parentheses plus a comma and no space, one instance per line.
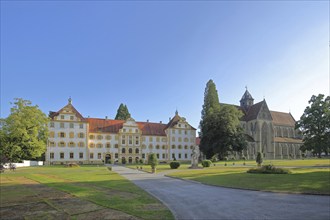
(270,132)
(74,138)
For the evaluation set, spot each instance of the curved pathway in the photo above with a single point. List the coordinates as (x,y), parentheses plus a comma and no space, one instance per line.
(190,200)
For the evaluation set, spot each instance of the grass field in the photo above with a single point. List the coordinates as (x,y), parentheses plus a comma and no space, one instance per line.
(93,186)
(308,176)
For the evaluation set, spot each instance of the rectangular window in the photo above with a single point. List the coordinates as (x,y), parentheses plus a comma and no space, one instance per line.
(123,140)
(179,156)
(51,134)
(136,140)
(157,156)
(81,135)
(99,156)
(143,156)
(173,131)
(163,156)
(71,135)
(61,155)
(52,144)
(185,156)
(130,140)
(61,125)
(62,134)
(173,139)
(116,155)
(51,124)
(71,125)
(81,126)
(81,155)
(150,138)
(179,131)
(71,118)
(62,116)
(71,155)
(91,155)
(185,132)
(51,155)
(173,156)
(107,145)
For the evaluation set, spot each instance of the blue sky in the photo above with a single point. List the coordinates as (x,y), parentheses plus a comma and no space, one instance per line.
(157,57)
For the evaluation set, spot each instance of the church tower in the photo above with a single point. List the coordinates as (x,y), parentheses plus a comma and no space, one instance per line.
(246,100)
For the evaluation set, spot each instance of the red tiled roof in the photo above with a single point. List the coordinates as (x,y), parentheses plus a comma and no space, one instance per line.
(113,126)
(281,118)
(149,128)
(104,125)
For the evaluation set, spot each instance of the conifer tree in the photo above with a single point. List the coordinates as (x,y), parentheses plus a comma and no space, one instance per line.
(122,113)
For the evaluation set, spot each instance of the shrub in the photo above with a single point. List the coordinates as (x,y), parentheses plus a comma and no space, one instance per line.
(269,169)
(259,159)
(141,161)
(110,168)
(153,161)
(214,158)
(206,163)
(109,162)
(175,164)
(71,165)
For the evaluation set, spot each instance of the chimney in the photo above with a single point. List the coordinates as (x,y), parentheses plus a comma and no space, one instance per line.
(147,120)
(169,119)
(161,122)
(106,117)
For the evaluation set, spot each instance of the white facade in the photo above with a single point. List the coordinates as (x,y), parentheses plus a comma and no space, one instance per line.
(73,138)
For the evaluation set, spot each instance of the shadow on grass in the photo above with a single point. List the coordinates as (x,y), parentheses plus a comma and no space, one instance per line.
(102,188)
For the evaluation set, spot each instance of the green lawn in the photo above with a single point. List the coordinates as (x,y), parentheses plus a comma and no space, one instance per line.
(95,184)
(302,180)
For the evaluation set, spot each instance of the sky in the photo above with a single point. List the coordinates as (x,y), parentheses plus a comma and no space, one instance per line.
(156,57)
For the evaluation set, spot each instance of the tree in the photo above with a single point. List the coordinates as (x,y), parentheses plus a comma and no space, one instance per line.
(122,112)
(259,159)
(221,131)
(315,125)
(23,133)
(211,104)
(153,162)
(211,100)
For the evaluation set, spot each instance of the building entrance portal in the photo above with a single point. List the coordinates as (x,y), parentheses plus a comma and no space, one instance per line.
(108,158)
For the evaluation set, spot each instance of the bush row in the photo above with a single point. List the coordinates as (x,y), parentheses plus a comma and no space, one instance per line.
(269,169)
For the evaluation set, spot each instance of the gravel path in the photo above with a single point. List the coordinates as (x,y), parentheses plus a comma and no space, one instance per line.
(190,200)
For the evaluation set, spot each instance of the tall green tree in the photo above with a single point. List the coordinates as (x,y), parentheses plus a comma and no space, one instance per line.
(220,127)
(23,133)
(211,100)
(122,112)
(315,125)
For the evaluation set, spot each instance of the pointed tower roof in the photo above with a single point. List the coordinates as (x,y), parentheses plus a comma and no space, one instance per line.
(246,95)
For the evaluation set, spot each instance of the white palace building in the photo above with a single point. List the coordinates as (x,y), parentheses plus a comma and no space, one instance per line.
(76,139)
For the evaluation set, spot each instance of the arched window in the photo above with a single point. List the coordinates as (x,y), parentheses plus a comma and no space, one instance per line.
(91,145)
(72,144)
(137,150)
(123,150)
(130,150)
(173,146)
(157,147)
